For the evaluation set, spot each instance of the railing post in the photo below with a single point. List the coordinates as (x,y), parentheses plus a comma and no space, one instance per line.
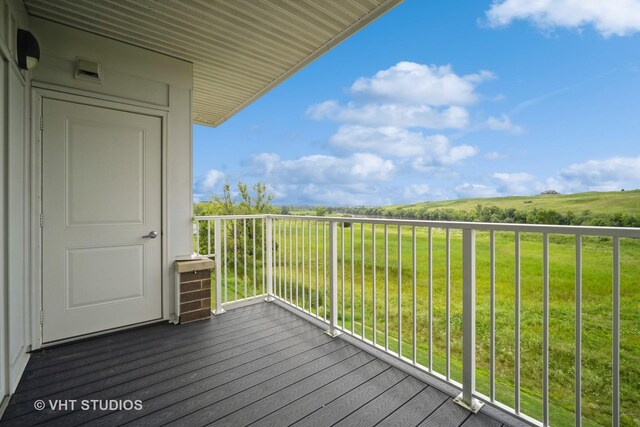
(269,266)
(218,260)
(333,279)
(465,399)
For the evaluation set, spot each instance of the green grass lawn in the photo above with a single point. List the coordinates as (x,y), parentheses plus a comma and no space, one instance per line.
(596,309)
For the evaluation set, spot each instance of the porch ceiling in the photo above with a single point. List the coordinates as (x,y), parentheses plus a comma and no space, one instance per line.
(240,49)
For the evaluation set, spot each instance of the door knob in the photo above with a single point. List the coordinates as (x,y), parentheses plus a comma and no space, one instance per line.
(151,235)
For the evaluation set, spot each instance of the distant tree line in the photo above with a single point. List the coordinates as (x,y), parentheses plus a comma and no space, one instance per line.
(495,214)
(257,200)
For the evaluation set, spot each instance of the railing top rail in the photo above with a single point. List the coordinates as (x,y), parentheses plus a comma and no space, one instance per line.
(629,232)
(211,217)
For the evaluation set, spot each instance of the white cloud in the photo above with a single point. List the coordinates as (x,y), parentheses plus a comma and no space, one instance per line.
(502,184)
(520,183)
(204,187)
(466,191)
(503,123)
(609,17)
(601,175)
(335,194)
(398,142)
(402,115)
(451,156)
(415,191)
(321,169)
(494,155)
(412,83)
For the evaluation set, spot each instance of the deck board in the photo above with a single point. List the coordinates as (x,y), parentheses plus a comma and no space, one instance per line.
(257,365)
(416,409)
(295,410)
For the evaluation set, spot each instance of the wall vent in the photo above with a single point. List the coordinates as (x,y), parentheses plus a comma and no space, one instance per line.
(87,69)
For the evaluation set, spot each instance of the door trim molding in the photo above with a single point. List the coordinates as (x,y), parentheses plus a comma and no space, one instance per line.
(84,98)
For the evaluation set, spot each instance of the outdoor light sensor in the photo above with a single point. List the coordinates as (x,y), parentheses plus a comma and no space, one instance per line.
(28,50)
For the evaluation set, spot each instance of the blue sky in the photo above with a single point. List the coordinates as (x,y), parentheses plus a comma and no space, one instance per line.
(442,100)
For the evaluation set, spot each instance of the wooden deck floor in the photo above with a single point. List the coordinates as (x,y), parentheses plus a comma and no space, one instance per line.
(257,365)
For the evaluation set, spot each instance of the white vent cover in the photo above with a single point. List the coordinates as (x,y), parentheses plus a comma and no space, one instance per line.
(87,69)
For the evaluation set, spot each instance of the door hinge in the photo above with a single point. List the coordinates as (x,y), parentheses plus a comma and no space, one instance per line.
(41,123)
(41,317)
(41,220)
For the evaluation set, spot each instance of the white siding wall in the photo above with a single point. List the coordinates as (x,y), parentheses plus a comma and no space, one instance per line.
(131,75)
(15,202)
(138,77)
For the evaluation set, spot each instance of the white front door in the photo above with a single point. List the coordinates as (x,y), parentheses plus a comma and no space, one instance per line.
(101,189)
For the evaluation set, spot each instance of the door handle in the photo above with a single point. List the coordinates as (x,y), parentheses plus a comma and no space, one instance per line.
(151,235)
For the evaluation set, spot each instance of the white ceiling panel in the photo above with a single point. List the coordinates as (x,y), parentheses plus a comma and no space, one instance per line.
(240,49)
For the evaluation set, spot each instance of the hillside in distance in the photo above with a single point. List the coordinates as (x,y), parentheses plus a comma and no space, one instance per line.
(627,202)
(613,209)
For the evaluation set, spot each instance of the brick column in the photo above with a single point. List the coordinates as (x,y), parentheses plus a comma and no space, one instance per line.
(195,289)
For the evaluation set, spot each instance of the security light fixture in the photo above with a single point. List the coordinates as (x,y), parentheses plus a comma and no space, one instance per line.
(28,50)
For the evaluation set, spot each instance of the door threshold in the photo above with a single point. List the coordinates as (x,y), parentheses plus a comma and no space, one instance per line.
(100,334)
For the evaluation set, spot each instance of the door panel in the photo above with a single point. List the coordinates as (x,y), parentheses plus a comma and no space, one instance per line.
(90,171)
(101,195)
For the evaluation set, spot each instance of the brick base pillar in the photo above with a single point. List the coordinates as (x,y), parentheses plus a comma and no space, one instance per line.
(195,289)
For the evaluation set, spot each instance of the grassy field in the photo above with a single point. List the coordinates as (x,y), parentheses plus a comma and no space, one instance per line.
(597,308)
(597,202)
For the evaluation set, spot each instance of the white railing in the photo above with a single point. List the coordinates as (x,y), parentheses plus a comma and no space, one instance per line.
(316,265)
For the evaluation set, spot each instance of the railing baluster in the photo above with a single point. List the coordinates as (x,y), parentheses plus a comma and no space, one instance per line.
(430,302)
(399,291)
(290,246)
(284,258)
(333,279)
(578,332)
(342,275)
(465,398)
(218,262)
(226,276)
(386,287)
(255,256)
(373,282)
(310,282)
(317,273)
(269,256)
(274,242)
(352,282)
(297,265)
(208,237)
(545,329)
(304,302)
(324,269)
(615,395)
(516,354)
(244,247)
(492,314)
(264,253)
(362,322)
(197,237)
(280,247)
(448,304)
(303,271)
(235,260)
(413,292)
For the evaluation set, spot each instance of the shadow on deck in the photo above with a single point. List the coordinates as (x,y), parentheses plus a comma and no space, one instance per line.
(258,364)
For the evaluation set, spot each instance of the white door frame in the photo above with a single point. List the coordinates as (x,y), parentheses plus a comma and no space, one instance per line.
(39,92)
